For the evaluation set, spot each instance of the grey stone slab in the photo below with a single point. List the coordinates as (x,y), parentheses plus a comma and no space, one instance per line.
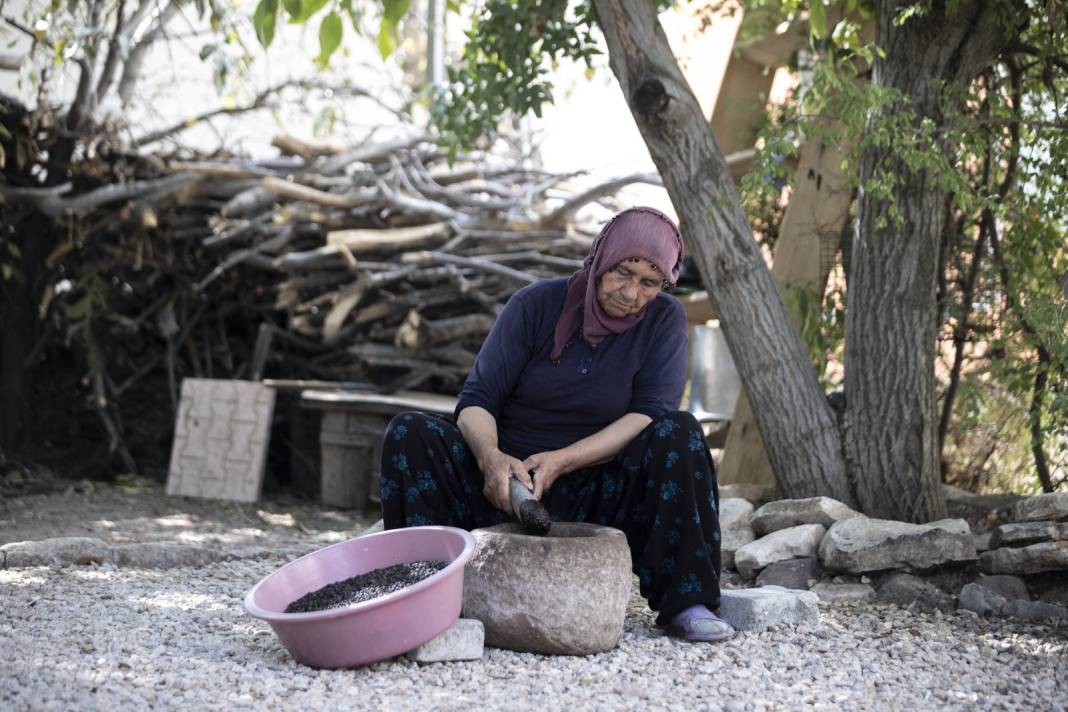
(1053,506)
(837,594)
(785,513)
(220,439)
(759,608)
(793,543)
(463,640)
(860,545)
(798,574)
(1024,533)
(1033,559)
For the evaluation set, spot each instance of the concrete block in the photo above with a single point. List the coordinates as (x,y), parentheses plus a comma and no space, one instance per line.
(463,640)
(759,608)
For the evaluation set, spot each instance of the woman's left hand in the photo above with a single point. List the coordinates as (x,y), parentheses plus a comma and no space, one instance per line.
(547,467)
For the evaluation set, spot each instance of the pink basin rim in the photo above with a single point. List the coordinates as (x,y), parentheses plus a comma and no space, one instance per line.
(280,617)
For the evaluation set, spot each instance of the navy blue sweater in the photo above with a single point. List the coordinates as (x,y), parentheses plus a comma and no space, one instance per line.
(542,406)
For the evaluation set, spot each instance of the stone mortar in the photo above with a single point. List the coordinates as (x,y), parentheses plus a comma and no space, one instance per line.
(564,593)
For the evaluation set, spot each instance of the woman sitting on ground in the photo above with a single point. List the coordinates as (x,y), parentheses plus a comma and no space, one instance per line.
(575,394)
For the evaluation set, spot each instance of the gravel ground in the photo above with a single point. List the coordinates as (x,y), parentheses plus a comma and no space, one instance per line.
(100,637)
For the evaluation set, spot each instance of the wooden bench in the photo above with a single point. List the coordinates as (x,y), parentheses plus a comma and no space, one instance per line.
(350,438)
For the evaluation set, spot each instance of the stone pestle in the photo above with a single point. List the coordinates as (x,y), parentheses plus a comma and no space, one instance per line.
(530,512)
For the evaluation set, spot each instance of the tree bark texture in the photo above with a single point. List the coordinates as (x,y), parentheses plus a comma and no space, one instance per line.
(891,422)
(797,425)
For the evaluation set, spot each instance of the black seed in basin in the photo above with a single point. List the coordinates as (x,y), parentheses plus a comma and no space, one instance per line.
(364,587)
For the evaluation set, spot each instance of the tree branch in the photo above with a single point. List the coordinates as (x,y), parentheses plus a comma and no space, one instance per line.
(111,63)
(49,202)
(131,70)
(564,213)
(84,99)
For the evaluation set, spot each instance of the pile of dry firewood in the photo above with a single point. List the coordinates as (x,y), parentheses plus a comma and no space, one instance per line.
(387,258)
(381,265)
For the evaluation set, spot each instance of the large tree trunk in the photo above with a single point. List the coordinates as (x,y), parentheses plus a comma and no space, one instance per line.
(794,418)
(891,324)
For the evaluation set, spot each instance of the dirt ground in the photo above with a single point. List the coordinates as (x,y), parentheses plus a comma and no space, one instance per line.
(139,512)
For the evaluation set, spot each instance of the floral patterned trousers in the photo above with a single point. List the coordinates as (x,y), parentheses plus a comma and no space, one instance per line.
(660,490)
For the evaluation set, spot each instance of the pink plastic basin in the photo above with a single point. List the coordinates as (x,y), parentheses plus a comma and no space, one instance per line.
(376,629)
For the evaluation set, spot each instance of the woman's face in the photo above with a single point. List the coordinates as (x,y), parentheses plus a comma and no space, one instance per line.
(628,287)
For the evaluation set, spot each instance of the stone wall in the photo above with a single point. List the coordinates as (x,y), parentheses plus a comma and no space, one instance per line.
(1001,560)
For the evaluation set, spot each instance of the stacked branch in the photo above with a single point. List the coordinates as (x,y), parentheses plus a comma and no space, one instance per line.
(391,262)
(379,265)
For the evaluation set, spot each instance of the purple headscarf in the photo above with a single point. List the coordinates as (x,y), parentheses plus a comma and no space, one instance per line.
(636,232)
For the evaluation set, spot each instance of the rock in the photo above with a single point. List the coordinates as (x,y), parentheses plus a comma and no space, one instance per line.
(1011,587)
(966,505)
(792,543)
(1058,596)
(60,551)
(1035,611)
(907,590)
(1053,505)
(837,594)
(564,593)
(1033,559)
(463,640)
(1026,533)
(858,545)
(791,512)
(731,579)
(759,608)
(734,528)
(755,494)
(979,599)
(795,573)
(982,541)
(734,512)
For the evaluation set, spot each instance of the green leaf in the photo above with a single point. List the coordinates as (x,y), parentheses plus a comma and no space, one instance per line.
(329,37)
(392,12)
(263,20)
(4,133)
(6,271)
(386,39)
(817,19)
(307,9)
(292,8)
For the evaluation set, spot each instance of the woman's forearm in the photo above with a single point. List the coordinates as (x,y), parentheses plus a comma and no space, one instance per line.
(605,443)
(479,430)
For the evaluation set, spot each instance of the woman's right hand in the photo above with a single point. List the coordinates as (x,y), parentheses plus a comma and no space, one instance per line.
(498,469)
